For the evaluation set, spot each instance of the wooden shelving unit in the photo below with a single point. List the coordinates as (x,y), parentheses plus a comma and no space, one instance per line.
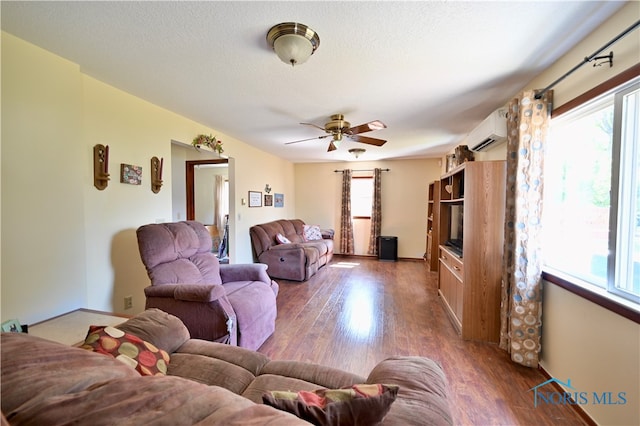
(469,282)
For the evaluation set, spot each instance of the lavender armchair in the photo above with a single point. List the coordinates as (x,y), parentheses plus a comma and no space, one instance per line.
(234,304)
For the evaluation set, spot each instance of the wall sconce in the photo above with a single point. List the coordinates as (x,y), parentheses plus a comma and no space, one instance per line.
(156,174)
(100,166)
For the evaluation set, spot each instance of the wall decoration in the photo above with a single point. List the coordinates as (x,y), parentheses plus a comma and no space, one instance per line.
(268,200)
(130,174)
(255,199)
(156,174)
(278,200)
(100,166)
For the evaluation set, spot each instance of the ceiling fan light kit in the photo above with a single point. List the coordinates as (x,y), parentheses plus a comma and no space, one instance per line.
(337,127)
(294,43)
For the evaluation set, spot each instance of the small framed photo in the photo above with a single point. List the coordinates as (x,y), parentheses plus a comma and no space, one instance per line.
(255,199)
(278,200)
(130,174)
(268,200)
(11,326)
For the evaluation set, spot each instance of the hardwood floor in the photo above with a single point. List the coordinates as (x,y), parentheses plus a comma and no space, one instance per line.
(358,311)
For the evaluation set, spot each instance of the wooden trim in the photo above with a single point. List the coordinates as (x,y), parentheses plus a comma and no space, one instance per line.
(604,87)
(575,407)
(591,296)
(189,168)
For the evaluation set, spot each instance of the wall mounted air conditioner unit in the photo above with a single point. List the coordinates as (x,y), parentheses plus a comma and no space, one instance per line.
(492,131)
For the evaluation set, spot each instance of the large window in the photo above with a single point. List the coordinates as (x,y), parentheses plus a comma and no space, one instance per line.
(361,197)
(592,193)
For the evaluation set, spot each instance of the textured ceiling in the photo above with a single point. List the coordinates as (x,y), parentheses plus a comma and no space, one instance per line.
(430,70)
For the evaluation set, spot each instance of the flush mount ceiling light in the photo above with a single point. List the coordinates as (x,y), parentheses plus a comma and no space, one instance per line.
(357,152)
(293,43)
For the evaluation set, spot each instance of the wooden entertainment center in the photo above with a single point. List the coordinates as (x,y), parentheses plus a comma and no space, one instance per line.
(471,204)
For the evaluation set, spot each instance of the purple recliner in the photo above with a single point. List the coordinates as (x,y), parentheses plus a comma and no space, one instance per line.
(234,304)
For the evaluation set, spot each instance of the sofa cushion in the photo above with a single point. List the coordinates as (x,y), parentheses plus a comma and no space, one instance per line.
(34,369)
(359,404)
(141,355)
(150,401)
(163,330)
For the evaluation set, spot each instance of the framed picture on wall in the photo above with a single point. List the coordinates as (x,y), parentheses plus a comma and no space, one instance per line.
(255,199)
(268,200)
(130,174)
(278,200)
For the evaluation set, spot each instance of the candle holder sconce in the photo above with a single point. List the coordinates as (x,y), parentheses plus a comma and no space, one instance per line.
(100,166)
(156,174)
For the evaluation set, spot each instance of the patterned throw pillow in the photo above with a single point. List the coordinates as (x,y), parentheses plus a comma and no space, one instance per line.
(282,239)
(357,405)
(127,348)
(312,232)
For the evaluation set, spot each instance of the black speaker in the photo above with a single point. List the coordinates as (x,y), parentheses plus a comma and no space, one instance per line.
(388,248)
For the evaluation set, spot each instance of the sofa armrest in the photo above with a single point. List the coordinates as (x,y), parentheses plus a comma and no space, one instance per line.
(187,292)
(423,397)
(244,272)
(327,234)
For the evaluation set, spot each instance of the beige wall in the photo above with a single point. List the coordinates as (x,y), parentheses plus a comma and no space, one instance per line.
(404,200)
(66,245)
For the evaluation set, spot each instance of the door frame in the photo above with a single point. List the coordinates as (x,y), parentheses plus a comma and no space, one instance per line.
(189,167)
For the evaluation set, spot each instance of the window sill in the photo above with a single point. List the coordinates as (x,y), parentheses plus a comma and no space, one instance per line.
(594,294)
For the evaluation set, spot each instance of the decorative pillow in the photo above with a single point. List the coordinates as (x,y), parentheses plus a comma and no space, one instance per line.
(143,356)
(282,239)
(312,232)
(357,405)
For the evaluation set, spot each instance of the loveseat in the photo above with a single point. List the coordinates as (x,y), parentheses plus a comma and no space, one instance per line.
(47,383)
(291,251)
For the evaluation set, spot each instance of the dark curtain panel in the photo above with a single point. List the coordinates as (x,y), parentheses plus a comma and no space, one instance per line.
(346,221)
(376,212)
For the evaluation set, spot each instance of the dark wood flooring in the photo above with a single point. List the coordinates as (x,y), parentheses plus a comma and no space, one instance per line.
(358,311)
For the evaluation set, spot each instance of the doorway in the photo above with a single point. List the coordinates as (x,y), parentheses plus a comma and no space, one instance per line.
(207,200)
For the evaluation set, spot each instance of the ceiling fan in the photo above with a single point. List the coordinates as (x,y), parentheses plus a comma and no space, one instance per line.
(338,127)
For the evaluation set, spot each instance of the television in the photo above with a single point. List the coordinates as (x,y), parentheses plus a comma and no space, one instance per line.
(456,227)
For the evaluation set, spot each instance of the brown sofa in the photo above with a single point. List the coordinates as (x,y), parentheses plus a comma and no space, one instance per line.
(49,383)
(298,260)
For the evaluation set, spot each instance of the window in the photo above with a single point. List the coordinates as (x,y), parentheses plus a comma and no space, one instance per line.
(591,219)
(361,197)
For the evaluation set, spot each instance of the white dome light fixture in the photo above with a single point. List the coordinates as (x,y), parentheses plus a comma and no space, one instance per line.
(357,152)
(293,43)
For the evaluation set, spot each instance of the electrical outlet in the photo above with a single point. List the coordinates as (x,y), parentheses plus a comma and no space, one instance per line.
(128,302)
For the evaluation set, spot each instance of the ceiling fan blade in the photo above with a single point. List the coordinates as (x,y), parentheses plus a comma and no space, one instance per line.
(332,147)
(367,140)
(314,125)
(367,127)
(310,139)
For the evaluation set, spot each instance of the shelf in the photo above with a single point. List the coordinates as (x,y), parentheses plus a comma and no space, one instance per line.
(453,201)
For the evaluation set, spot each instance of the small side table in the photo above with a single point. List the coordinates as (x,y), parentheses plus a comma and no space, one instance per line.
(71,328)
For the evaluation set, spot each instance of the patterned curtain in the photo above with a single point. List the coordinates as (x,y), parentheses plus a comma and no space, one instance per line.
(376,213)
(346,221)
(521,306)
